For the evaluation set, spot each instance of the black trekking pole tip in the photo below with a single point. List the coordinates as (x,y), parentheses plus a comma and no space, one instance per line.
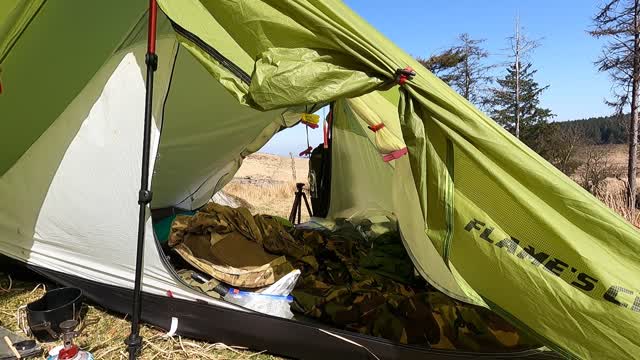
(134,345)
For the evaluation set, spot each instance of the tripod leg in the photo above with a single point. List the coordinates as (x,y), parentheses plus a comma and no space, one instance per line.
(300,207)
(292,214)
(304,197)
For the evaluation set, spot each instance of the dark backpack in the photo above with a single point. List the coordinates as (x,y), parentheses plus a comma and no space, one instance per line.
(320,180)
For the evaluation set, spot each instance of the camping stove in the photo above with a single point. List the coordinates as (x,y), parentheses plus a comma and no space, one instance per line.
(71,350)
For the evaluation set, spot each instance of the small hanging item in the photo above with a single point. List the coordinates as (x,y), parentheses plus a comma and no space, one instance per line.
(404,75)
(309,149)
(311,120)
(395,155)
(306,152)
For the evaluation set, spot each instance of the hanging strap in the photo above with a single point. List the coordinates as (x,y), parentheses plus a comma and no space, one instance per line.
(311,120)
(306,152)
(325,128)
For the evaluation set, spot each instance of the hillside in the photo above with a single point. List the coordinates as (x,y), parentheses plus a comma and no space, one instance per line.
(601,130)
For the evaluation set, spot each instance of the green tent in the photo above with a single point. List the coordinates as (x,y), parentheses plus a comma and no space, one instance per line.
(485,219)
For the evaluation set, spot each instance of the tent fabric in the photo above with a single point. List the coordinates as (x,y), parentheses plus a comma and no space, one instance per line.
(482,216)
(66,200)
(204,134)
(382,188)
(56,81)
(591,253)
(354,157)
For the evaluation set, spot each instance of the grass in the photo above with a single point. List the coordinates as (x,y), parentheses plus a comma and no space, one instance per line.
(615,198)
(106,338)
(267,198)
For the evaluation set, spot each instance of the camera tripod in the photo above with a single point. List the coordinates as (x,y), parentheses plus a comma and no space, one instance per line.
(297,204)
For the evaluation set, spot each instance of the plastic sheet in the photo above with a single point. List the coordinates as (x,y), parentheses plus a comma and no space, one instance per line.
(266,304)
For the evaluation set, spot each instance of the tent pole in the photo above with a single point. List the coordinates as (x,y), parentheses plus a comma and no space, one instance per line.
(134,341)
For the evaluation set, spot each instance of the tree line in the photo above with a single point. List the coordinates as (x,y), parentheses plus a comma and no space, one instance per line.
(512,98)
(601,130)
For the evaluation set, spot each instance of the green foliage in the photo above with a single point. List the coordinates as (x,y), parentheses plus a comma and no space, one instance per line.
(503,104)
(442,63)
(462,67)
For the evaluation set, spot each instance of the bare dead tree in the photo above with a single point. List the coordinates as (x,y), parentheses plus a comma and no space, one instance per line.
(596,169)
(521,47)
(618,21)
(562,147)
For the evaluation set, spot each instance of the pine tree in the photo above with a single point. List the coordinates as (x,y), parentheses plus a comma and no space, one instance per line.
(515,103)
(470,76)
(462,67)
(441,64)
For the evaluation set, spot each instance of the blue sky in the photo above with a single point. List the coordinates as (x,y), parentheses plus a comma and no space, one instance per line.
(564,59)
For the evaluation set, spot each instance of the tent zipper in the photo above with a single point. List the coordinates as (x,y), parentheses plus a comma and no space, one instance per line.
(224,62)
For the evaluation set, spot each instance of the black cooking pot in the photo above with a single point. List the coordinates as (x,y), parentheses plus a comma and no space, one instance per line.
(45,315)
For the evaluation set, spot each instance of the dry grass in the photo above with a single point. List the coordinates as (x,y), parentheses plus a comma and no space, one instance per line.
(613,192)
(268,183)
(273,199)
(106,338)
(614,196)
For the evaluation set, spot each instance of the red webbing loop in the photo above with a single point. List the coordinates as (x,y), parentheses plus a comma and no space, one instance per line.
(376,127)
(325,135)
(153,17)
(395,155)
(0,86)
(325,127)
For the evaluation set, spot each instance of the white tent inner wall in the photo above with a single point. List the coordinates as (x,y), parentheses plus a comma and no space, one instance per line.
(73,193)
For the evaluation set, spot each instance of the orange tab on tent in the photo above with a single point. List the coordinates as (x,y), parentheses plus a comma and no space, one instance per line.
(404,75)
(311,120)
(376,127)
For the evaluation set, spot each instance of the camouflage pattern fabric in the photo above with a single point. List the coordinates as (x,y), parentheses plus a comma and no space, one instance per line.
(370,287)
(353,278)
(235,247)
(206,288)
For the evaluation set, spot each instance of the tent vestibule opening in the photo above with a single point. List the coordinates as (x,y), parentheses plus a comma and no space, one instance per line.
(438,225)
(353,270)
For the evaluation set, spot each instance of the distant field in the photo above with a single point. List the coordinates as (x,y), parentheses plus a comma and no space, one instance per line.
(267,183)
(618,154)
